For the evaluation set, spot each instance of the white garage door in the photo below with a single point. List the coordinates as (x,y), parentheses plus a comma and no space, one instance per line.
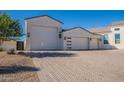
(77,43)
(43,38)
(94,43)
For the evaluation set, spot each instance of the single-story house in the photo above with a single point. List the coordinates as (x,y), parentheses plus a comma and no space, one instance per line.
(112,35)
(46,33)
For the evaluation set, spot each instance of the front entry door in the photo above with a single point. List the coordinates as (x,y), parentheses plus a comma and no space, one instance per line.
(20,45)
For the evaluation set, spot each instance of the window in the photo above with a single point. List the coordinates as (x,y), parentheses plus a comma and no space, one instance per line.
(28,34)
(68,41)
(100,39)
(68,44)
(64,38)
(68,37)
(60,35)
(68,47)
(117,38)
(106,39)
(117,29)
(20,45)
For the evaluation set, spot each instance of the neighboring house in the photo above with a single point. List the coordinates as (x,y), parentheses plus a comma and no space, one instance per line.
(46,33)
(112,35)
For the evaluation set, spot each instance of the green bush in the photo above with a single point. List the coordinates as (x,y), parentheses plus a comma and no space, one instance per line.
(11,51)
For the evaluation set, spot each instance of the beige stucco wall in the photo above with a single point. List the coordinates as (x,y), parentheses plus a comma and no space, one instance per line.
(50,23)
(42,22)
(6,45)
(110,31)
(111,38)
(80,33)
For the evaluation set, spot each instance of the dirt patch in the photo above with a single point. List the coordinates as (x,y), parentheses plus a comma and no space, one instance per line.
(17,68)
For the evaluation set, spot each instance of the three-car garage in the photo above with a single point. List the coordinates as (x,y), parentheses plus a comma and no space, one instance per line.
(80,39)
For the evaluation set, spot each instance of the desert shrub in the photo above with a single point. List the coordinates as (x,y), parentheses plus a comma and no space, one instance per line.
(24,54)
(11,51)
(21,53)
(1,49)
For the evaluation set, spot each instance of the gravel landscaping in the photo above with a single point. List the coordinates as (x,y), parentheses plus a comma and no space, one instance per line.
(17,68)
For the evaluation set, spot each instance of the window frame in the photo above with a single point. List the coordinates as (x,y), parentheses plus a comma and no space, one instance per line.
(68,44)
(60,35)
(106,40)
(116,29)
(68,41)
(117,38)
(68,37)
(69,47)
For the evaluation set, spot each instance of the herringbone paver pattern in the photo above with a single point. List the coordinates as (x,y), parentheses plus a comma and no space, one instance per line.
(83,66)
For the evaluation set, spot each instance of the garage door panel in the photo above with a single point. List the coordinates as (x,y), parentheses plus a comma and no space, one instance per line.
(94,43)
(77,43)
(43,38)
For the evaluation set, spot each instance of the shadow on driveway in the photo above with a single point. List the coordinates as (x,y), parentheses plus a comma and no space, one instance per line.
(48,54)
(16,69)
(52,54)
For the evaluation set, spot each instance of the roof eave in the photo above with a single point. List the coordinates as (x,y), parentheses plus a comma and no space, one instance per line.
(81,28)
(44,16)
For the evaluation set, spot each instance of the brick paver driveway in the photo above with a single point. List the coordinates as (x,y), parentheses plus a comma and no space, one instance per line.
(80,66)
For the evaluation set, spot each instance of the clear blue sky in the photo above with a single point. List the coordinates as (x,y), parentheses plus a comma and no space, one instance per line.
(84,18)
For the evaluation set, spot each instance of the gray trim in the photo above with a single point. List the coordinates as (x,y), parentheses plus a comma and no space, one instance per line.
(64,30)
